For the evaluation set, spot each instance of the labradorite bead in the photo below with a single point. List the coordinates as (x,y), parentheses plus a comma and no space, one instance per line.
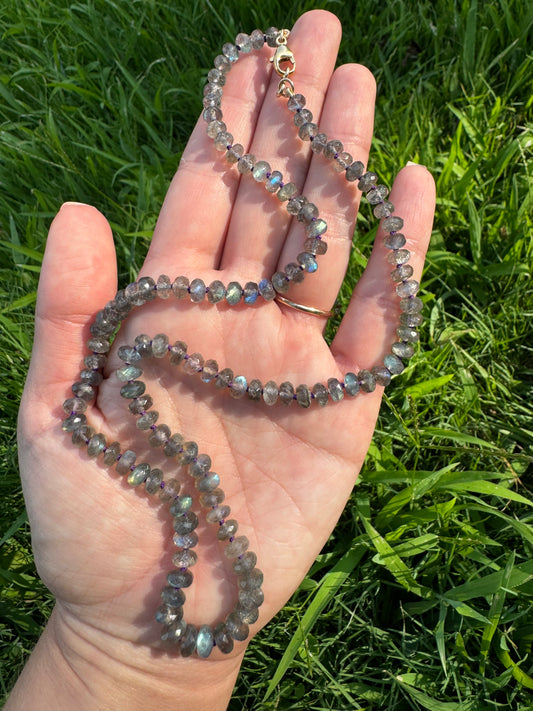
(82,435)
(188,641)
(143,345)
(139,404)
(255,389)
(173,597)
(180,578)
(74,405)
(354,171)
(316,228)
(159,436)
(411,305)
(321,394)
(237,547)
(227,530)
(250,292)
(139,474)
(367,381)
(180,505)
(408,288)
(164,286)
(274,181)
(315,245)
(286,393)
(133,389)
(249,616)
(98,344)
(216,291)
(280,282)
(184,559)
(93,377)
(245,563)
(111,454)
(177,352)
(219,513)
(258,39)
(412,320)
(174,632)
(128,372)
(286,192)
(303,396)
(153,481)
(367,181)
(185,523)
(96,445)
(261,170)
(238,387)
(308,212)
(83,390)
(333,148)
(73,422)
(222,63)
(319,143)
(233,293)
(294,273)
(148,420)
(351,384)
(209,371)
(189,540)
(409,335)
(394,241)
(223,140)
(170,490)
(381,374)
(308,262)
(166,615)
(126,462)
(204,641)
(266,289)
(251,580)
(129,355)
(180,287)
(302,116)
(251,598)
(246,164)
(295,102)
(236,627)
(230,51)
(272,35)
(377,194)
(212,498)
(399,256)
(160,345)
(224,378)
(223,639)
(335,389)
(193,363)
(391,224)
(197,290)
(393,363)
(243,42)
(95,360)
(200,465)
(208,483)
(307,131)
(215,127)
(403,350)
(189,453)
(172,447)
(295,204)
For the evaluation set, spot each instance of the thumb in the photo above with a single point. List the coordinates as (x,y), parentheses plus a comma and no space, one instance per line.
(78,277)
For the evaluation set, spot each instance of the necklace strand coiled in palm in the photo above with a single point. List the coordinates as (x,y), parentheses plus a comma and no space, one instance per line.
(188,638)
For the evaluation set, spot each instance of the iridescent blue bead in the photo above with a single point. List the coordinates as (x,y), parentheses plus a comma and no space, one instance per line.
(308,262)
(208,482)
(238,386)
(266,289)
(250,292)
(204,641)
(180,578)
(274,181)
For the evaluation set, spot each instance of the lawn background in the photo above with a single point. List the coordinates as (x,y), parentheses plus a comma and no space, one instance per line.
(422,598)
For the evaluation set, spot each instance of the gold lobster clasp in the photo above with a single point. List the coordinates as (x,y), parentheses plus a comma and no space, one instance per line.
(284,56)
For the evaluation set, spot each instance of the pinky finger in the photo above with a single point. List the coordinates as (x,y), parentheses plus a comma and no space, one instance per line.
(369,326)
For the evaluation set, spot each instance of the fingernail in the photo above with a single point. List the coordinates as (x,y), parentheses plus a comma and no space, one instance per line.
(78,204)
(412,162)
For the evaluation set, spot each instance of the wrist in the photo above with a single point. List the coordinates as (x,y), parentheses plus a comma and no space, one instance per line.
(78,667)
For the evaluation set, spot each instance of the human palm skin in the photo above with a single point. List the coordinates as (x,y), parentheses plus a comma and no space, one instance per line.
(104,549)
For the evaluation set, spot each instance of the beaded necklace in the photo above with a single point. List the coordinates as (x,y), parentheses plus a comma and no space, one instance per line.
(187,638)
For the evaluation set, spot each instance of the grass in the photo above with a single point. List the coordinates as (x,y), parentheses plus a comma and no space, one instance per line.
(422,597)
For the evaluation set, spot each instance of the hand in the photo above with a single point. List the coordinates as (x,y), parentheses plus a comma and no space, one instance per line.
(104,549)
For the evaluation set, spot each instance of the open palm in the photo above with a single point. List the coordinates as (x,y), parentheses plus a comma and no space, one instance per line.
(105,549)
